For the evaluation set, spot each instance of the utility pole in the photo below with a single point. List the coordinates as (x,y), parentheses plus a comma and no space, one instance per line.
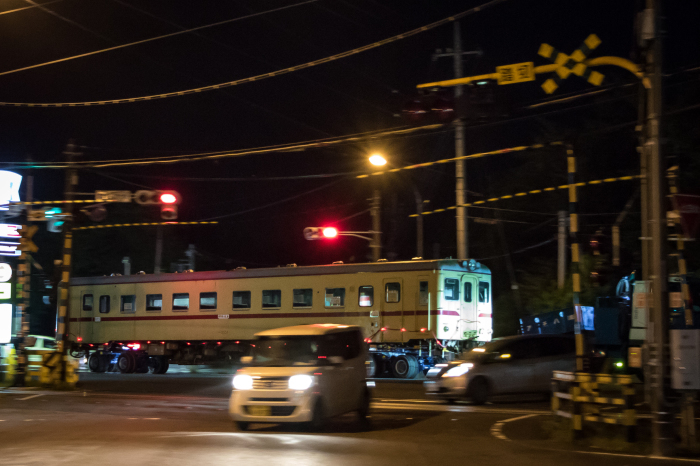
(662,412)
(561,257)
(64,285)
(375,210)
(460,166)
(419,222)
(159,249)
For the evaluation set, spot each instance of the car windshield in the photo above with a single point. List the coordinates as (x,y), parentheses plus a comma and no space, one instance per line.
(289,351)
(481,352)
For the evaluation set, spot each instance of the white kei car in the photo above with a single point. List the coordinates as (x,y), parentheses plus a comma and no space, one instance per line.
(302,374)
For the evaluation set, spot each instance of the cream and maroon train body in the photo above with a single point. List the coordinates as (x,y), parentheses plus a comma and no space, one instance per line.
(198,317)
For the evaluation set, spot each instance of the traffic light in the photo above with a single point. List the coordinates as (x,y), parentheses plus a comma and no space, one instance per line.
(167,199)
(144,197)
(311,233)
(54,222)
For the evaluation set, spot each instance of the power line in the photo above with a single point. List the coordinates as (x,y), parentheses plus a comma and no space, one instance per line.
(28,7)
(243,80)
(172,34)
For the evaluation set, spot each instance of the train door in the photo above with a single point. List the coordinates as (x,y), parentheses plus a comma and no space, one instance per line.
(422,313)
(87,314)
(392,308)
(468,308)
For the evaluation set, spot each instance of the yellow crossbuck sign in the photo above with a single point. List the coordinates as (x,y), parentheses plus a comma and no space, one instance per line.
(569,64)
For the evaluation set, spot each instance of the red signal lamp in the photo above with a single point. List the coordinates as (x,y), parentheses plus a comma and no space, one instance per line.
(330,232)
(168,198)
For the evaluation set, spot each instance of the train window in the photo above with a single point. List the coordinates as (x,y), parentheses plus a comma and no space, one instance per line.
(393,292)
(423,293)
(181,301)
(128,303)
(483,292)
(468,292)
(452,289)
(207,301)
(366,296)
(87,302)
(154,302)
(104,304)
(272,298)
(302,297)
(241,299)
(335,297)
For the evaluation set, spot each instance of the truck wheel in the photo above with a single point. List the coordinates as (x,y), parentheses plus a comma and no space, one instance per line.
(158,365)
(404,367)
(126,362)
(479,391)
(142,365)
(96,363)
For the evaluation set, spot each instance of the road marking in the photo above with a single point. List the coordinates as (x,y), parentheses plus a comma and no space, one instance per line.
(29,397)
(496,429)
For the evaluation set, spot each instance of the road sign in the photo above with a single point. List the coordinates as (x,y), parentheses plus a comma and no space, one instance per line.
(113,196)
(516,73)
(573,63)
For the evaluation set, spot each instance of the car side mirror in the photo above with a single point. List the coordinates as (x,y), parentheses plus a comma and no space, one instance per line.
(335,360)
(246,359)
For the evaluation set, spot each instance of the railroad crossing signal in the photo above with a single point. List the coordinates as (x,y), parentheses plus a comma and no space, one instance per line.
(571,64)
(25,242)
(311,233)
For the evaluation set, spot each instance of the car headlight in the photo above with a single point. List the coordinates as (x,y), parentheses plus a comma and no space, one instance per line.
(458,370)
(300,382)
(242,382)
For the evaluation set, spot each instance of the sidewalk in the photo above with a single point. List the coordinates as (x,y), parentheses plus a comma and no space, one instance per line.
(548,432)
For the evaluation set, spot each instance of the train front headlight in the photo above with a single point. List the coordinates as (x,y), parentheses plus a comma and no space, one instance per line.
(242,382)
(458,370)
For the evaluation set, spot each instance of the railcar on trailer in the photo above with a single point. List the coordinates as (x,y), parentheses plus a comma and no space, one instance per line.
(411,313)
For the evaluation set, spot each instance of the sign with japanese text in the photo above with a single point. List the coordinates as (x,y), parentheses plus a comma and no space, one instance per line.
(516,73)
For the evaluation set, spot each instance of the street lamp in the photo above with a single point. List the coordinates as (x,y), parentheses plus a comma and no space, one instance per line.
(377,160)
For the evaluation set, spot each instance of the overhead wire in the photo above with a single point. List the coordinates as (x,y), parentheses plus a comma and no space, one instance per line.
(28,7)
(250,79)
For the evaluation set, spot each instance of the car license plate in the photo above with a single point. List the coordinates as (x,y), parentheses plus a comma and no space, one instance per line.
(259,410)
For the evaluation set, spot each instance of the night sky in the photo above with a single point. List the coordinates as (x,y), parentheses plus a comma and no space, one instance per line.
(264,201)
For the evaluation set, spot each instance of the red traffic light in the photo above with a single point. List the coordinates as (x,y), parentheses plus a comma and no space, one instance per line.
(329,232)
(168,197)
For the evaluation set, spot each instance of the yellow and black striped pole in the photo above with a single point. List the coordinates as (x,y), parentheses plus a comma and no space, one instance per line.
(575,258)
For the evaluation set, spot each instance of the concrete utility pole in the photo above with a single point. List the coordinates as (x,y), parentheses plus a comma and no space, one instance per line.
(662,412)
(375,210)
(460,166)
(159,249)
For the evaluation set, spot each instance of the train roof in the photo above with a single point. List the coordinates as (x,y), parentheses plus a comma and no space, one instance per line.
(292,271)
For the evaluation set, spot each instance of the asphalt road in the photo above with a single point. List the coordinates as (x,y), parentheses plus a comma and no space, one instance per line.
(182,419)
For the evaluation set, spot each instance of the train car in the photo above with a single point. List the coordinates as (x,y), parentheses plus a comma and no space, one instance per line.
(411,313)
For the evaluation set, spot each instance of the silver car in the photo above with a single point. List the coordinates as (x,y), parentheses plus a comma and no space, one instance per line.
(518,364)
